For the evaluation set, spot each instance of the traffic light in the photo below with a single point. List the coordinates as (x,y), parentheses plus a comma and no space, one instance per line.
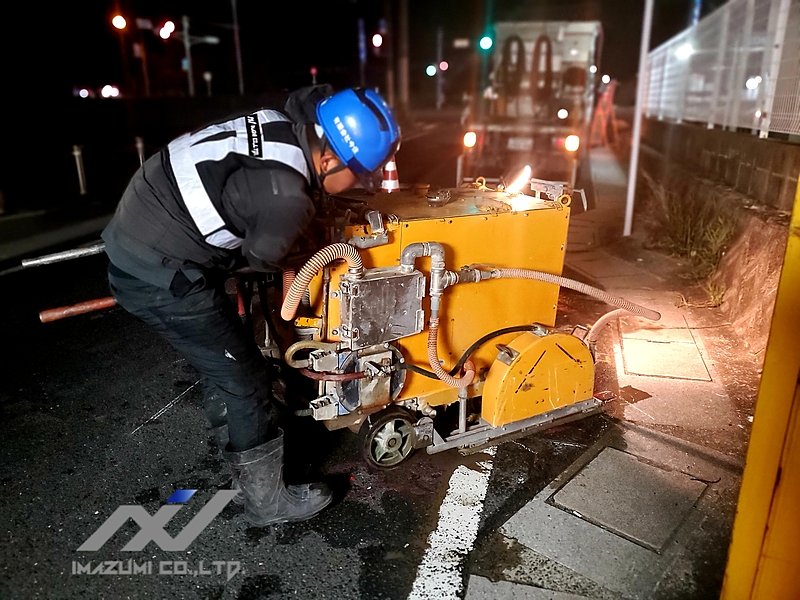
(486,42)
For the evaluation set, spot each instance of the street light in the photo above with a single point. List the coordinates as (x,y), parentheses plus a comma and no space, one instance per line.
(237,46)
(139,46)
(188,41)
(121,24)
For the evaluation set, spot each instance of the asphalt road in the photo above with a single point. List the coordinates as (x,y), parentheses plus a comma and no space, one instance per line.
(98,412)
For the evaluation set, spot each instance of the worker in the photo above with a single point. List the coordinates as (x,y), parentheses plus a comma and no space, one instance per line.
(240,193)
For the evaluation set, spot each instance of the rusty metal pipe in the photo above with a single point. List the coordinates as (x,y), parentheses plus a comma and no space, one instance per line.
(54,314)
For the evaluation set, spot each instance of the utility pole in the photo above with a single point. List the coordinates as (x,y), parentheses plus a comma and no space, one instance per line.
(362,51)
(403,59)
(637,117)
(188,41)
(439,72)
(187,48)
(140,52)
(390,41)
(237,47)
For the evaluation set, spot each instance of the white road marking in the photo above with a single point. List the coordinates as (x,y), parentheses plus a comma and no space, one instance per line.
(165,408)
(439,575)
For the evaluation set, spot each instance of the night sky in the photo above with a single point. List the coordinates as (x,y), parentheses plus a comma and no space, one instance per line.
(74,44)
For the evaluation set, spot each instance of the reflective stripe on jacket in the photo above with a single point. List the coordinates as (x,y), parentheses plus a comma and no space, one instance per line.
(242,135)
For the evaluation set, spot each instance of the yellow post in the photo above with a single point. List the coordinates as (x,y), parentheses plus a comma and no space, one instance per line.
(763,559)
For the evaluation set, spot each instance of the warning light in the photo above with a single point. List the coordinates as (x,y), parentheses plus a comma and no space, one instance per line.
(572,143)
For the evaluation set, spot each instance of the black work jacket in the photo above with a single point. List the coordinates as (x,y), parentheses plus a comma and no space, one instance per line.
(236,189)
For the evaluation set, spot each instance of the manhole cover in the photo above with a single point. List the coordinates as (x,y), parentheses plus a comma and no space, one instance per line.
(638,501)
(663,359)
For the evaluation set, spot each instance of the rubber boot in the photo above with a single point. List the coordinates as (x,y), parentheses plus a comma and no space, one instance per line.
(267,499)
(221,438)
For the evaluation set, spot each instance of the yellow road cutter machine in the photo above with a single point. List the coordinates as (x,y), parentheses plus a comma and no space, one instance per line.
(432,300)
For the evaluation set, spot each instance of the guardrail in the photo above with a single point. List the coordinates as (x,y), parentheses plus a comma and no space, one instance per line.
(737,68)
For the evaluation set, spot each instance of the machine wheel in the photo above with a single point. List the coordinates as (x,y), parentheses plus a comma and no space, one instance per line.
(388,437)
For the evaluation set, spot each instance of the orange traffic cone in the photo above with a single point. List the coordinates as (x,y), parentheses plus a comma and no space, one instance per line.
(390,180)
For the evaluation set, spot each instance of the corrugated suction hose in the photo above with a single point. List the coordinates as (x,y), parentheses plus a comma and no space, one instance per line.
(311,268)
(287,278)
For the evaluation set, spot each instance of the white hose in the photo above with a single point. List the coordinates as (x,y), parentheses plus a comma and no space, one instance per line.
(594,332)
(578,287)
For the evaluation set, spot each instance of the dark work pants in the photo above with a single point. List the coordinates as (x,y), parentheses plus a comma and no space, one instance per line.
(202,324)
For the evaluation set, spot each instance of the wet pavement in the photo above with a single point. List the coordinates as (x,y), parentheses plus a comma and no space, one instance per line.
(636,502)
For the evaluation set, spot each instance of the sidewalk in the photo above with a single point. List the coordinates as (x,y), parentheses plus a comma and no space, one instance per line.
(647,511)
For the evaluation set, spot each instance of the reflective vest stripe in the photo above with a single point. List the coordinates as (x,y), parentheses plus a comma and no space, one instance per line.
(208,144)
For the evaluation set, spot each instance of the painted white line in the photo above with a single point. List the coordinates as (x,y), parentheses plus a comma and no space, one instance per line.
(167,406)
(439,575)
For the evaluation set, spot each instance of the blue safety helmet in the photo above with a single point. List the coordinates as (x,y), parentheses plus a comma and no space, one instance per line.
(361,129)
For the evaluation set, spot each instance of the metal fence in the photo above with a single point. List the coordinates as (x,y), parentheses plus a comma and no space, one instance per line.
(739,67)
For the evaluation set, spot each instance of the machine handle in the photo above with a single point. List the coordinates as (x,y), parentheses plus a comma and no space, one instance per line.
(66,255)
(54,314)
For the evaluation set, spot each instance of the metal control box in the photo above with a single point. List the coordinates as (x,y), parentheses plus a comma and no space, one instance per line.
(383,305)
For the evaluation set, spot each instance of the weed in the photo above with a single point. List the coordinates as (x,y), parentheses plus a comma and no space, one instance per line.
(689,224)
(716,294)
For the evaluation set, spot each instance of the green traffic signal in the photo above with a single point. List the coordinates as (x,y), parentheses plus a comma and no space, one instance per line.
(486,42)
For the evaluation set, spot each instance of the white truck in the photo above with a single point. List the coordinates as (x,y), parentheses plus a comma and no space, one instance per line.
(535,106)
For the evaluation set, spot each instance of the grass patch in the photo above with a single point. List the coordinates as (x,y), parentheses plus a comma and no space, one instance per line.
(686,222)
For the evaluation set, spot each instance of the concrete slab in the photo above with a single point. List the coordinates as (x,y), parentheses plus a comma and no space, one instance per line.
(672,317)
(663,348)
(612,561)
(530,571)
(678,360)
(675,402)
(601,265)
(627,496)
(481,588)
(677,405)
(632,327)
(703,464)
(581,238)
(618,564)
